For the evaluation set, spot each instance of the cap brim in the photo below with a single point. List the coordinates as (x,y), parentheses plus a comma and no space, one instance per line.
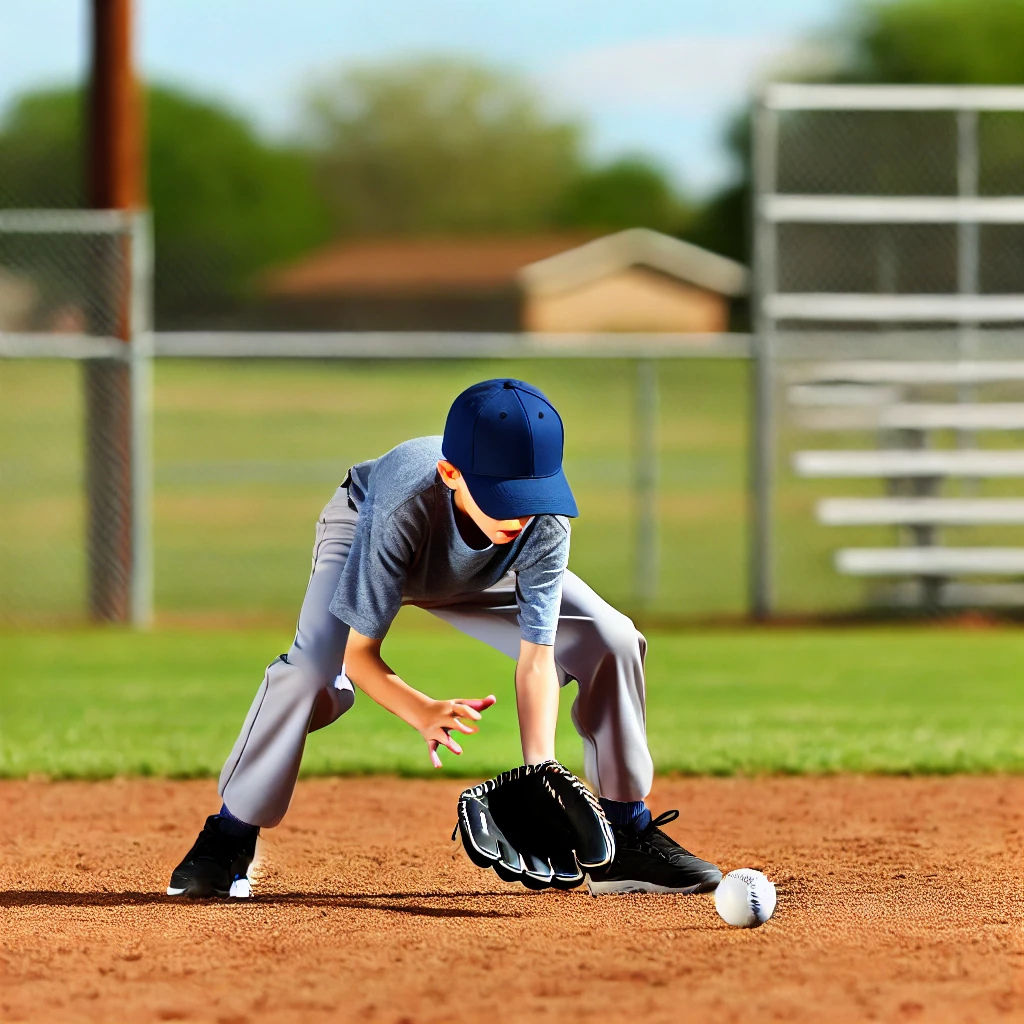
(514,499)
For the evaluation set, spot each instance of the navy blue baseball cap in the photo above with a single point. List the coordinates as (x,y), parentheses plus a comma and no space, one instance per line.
(506,439)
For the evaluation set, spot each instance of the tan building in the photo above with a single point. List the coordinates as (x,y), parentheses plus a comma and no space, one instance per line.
(636,280)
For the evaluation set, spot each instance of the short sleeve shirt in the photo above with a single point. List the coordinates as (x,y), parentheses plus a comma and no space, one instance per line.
(407,548)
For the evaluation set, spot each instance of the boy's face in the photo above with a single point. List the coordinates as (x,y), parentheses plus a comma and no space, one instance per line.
(497,531)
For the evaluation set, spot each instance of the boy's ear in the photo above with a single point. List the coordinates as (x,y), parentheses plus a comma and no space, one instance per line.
(449,474)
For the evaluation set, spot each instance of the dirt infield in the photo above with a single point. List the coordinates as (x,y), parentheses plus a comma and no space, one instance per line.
(899,900)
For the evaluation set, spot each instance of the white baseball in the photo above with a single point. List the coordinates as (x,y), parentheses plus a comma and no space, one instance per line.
(745,898)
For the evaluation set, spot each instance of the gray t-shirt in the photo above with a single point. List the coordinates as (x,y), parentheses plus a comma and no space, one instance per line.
(407,547)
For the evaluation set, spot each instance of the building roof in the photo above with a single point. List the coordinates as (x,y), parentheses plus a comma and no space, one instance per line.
(636,246)
(416,264)
(542,264)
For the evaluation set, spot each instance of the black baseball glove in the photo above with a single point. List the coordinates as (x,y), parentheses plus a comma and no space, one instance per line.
(538,825)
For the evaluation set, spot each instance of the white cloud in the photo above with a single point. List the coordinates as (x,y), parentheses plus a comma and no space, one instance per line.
(670,98)
(690,74)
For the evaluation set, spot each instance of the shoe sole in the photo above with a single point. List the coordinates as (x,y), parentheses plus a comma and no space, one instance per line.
(623,886)
(241,889)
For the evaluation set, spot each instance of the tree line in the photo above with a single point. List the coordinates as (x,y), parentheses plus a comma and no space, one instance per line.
(441,146)
(432,146)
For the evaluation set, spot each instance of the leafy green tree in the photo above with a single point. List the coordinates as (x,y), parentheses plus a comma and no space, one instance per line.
(438,145)
(626,193)
(41,159)
(950,42)
(225,202)
(921,42)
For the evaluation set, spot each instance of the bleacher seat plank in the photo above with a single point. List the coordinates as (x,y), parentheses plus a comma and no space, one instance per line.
(920,511)
(918,416)
(930,561)
(882,371)
(909,463)
(843,395)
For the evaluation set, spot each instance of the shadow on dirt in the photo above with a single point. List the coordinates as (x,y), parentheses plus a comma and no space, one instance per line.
(393,902)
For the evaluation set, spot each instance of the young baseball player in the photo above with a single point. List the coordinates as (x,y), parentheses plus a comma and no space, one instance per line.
(474,527)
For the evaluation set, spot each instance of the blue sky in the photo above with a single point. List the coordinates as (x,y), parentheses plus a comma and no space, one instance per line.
(651,76)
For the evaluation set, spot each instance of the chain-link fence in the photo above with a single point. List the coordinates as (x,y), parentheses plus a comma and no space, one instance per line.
(64,273)
(890,226)
(909,201)
(247,452)
(889,234)
(73,460)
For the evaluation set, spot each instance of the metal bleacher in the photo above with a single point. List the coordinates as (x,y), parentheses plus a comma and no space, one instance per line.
(888,280)
(879,396)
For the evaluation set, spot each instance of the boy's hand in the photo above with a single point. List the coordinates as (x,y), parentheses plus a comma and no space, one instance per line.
(443,716)
(434,720)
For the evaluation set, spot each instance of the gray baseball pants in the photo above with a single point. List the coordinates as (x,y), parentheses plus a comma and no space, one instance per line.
(304,690)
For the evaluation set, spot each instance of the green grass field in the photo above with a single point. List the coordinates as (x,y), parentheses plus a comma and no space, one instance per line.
(104,702)
(247,453)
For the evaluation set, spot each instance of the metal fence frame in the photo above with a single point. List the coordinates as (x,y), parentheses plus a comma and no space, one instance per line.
(764,348)
(135,350)
(646,350)
(965,309)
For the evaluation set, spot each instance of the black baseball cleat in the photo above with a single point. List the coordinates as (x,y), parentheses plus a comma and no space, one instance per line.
(651,861)
(217,864)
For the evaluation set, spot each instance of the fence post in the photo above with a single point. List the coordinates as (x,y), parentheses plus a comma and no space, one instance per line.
(141,369)
(114,181)
(762,439)
(645,468)
(967,259)
(108,459)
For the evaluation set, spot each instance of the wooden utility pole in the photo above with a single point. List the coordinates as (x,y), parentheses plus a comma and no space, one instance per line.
(115,111)
(114,181)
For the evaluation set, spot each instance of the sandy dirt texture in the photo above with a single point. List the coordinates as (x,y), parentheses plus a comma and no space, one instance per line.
(900,899)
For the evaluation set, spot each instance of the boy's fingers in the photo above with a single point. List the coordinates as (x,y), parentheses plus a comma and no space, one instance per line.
(435,759)
(480,703)
(465,710)
(451,744)
(462,727)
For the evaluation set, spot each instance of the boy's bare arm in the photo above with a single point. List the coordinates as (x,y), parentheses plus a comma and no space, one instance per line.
(433,719)
(537,701)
